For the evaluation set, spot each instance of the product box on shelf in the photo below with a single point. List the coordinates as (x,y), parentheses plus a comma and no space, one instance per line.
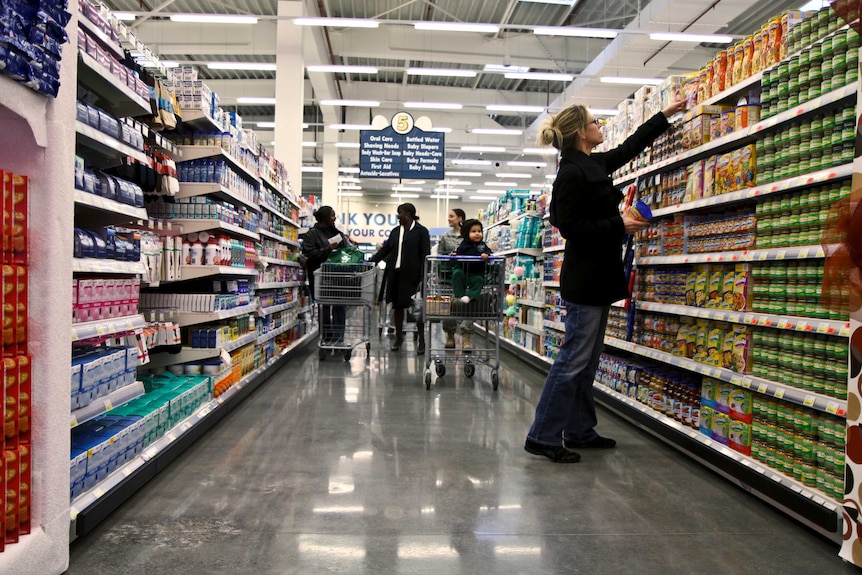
(13,495)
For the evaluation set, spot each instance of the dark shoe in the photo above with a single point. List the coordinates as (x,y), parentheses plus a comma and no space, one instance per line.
(556,453)
(598,442)
(396,346)
(420,348)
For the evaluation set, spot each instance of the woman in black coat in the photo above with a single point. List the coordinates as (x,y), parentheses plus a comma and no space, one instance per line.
(404,253)
(317,245)
(585,208)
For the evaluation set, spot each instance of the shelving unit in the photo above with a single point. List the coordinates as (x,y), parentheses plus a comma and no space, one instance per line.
(190,226)
(92,265)
(106,145)
(198,272)
(191,354)
(113,96)
(107,403)
(278,238)
(195,189)
(91,329)
(107,209)
(199,152)
(185,319)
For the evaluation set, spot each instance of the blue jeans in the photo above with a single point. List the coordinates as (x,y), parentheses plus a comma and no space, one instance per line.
(566,409)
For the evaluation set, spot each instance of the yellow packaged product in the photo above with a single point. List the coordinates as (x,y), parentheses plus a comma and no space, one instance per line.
(713,288)
(680,346)
(714,340)
(727,287)
(747,54)
(690,281)
(735,170)
(738,57)
(709,176)
(721,427)
(723,174)
(700,286)
(686,135)
(700,340)
(719,72)
(766,48)
(748,166)
(691,342)
(728,73)
(741,349)
(728,122)
(757,53)
(740,287)
(788,20)
(714,127)
(723,393)
(727,348)
(775,40)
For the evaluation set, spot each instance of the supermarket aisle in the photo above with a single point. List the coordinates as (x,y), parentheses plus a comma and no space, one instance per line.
(343,468)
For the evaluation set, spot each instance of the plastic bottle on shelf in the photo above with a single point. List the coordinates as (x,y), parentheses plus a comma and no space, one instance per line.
(212,256)
(196,253)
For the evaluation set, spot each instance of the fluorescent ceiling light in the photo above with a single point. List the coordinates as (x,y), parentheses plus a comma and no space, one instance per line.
(214,19)
(501,184)
(604,111)
(528,164)
(339,22)
(124,16)
(455,182)
(358,103)
(454,72)
(495,192)
(261,66)
(471,163)
(575,32)
(348,179)
(309,144)
(514,108)
(433,105)
(265,124)
(551,177)
(405,189)
(457,27)
(540,76)
(450,190)
(312,169)
(540,185)
(443,197)
(305,126)
(441,130)
(348,170)
(349,187)
(632,81)
(540,151)
(346,144)
(255,100)
(497,131)
(558,2)
(335,69)
(482,149)
(350,194)
(506,69)
(518,176)
(403,195)
(351,127)
(682,37)
(480,198)
(416,182)
(464,174)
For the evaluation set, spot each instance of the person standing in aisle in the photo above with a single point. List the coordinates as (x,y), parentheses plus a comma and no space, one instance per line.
(404,253)
(318,244)
(585,208)
(447,245)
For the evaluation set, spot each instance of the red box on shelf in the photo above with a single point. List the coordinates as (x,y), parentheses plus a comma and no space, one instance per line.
(13,493)
(25,481)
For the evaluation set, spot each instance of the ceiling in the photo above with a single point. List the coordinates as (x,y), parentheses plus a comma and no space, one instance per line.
(395,46)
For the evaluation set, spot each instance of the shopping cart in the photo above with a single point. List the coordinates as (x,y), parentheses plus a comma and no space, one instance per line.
(439,303)
(347,288)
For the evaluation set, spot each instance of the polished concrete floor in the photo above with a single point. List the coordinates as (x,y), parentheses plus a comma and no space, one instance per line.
(338,467)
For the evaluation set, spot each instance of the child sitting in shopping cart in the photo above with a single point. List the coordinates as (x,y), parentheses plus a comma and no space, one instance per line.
(469,277)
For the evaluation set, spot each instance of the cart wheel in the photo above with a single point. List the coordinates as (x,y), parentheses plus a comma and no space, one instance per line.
(441,369)
(427,379)
(469,369)
(495,381)
(347,355)
(321,353)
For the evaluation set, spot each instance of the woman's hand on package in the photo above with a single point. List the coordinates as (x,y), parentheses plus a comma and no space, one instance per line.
(674,107)
(632,224)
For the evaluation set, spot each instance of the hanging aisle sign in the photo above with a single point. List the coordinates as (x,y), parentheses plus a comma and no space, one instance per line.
(401,151)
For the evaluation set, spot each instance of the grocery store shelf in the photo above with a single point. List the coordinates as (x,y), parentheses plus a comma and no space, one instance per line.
(276,237)
(89,509)
(790,394)
(532,252)
(277,262)
(276,332)
(97,266)
(305,309)
(92,201)
(198,120)
(194,189)
(197,272)
(551,284)
(199,152)
(818,510)
(187,318)
(555,325)
(793,323)
(104,404)
(772,254)
(530,328)
(105,144)
(281,215)
(91,329)
(276,285)
(277,190)
(277,308)
(195,225)
(107,43)
(741,137)
(114,96)
(532,303)
(796,182)
(198,353)
(738,88)
(551,249)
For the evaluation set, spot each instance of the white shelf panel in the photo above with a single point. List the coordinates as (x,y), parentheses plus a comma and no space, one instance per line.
(187,318)
(199,152)
(105,41)
(105,404)
(276,285)
(277,190)
(532,252)
(277,262)
(788,482)
(277,308)
(819,177)
(733,90)
(119,99)
(551,284)
(552,249)
(763,386)
(28,105)
(105,144)
(195,225)
(199,353)
(773,254)
(532,303)
(276,332)
(98,266)
(555,325)
(117,478)
(90,329)
(276,237)
(281,215)
(793,323)
(198,120)
(111,206)
(195,189)
(530,328)
(197,272)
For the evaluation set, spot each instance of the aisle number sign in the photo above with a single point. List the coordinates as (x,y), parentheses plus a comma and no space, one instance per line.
(401,151)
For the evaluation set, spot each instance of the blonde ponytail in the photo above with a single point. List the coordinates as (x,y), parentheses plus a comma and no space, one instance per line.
(560,130)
